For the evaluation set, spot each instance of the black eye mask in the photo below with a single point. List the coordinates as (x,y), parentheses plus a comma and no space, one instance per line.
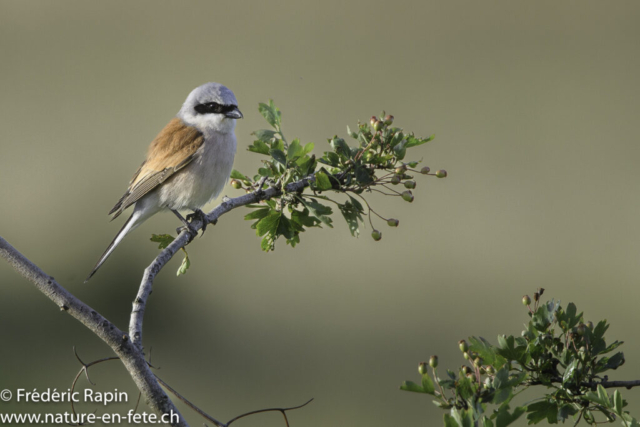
(214,108)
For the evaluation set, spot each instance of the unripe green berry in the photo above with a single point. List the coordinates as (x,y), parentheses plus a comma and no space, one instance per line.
(395,179)
(422,368)
(425,170)
(464,346)
(482,371)
(410,184)
(477,362)
(236,184)
(407,196)
(581,329)
(526,300)
(388,120)
(373,120)
(490,370)
(441,173)
(377,235)
(433,361)
(466,355)
(370,155)
(378,125)
(393,222)
(400,170)
(465,370)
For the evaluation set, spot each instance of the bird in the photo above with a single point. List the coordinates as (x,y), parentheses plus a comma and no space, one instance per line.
(187,164)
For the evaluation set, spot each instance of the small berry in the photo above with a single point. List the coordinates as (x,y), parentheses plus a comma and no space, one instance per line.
(477,362)
(422,368)
(466,355)
(490,370)
(378,125)
(581,329)
(377,235)
(441,173)
(526,300)
(433,361)
(392,222)
(373,120)
(236,184)
(590,325)
(407,196)
(369,156)
(466,370)
(388,120)
(425,170)
(400,170)
(395,180)
(409,184)
(464,346)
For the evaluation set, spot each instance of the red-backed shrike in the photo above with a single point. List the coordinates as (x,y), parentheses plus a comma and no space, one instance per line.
(187,164)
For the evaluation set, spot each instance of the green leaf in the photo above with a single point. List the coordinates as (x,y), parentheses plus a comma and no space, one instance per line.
(542,410)
(279,156)
(352,214)
(270,113)
(322,181)
(237,175)
(308,148)
(450,422)
(340,146)
(486,351)
(186,263)
(163,239)
(412,141)
(362,175)
(259,147)
(427,384)
(566,411)
(295,150)
(411,386)
(268,224)
(570,371)
(617,402)
(606,363)
(465,388)
(598,398)
(258,213)
(265,135)
(318,210)
(504,418)
(510,351)
(486,422)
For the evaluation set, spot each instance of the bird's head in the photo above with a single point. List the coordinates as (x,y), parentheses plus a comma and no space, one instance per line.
(211,108)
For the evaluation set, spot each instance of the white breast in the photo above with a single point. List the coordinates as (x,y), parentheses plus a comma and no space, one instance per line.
(204,178)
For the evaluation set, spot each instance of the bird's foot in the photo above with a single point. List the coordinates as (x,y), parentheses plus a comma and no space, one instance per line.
(198,214)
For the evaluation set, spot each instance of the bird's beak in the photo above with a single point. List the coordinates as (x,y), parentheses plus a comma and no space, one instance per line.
(234,114)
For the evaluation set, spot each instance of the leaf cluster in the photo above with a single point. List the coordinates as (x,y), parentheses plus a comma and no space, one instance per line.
(374,161)
(558,350)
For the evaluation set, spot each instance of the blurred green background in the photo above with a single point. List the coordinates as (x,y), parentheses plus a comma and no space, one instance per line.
(535,109)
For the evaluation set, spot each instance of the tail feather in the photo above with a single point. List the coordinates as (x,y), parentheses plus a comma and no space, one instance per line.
(128,226)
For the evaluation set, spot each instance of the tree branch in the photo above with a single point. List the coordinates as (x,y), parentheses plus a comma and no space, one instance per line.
(146,286)
(131,357)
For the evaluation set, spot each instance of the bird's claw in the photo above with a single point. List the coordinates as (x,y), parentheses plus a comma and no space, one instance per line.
(201,216)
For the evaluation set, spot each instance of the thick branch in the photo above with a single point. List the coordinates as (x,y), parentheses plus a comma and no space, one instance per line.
(131,357)
(146,286)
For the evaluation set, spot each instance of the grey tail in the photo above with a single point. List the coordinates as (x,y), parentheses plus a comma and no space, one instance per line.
(126,228)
